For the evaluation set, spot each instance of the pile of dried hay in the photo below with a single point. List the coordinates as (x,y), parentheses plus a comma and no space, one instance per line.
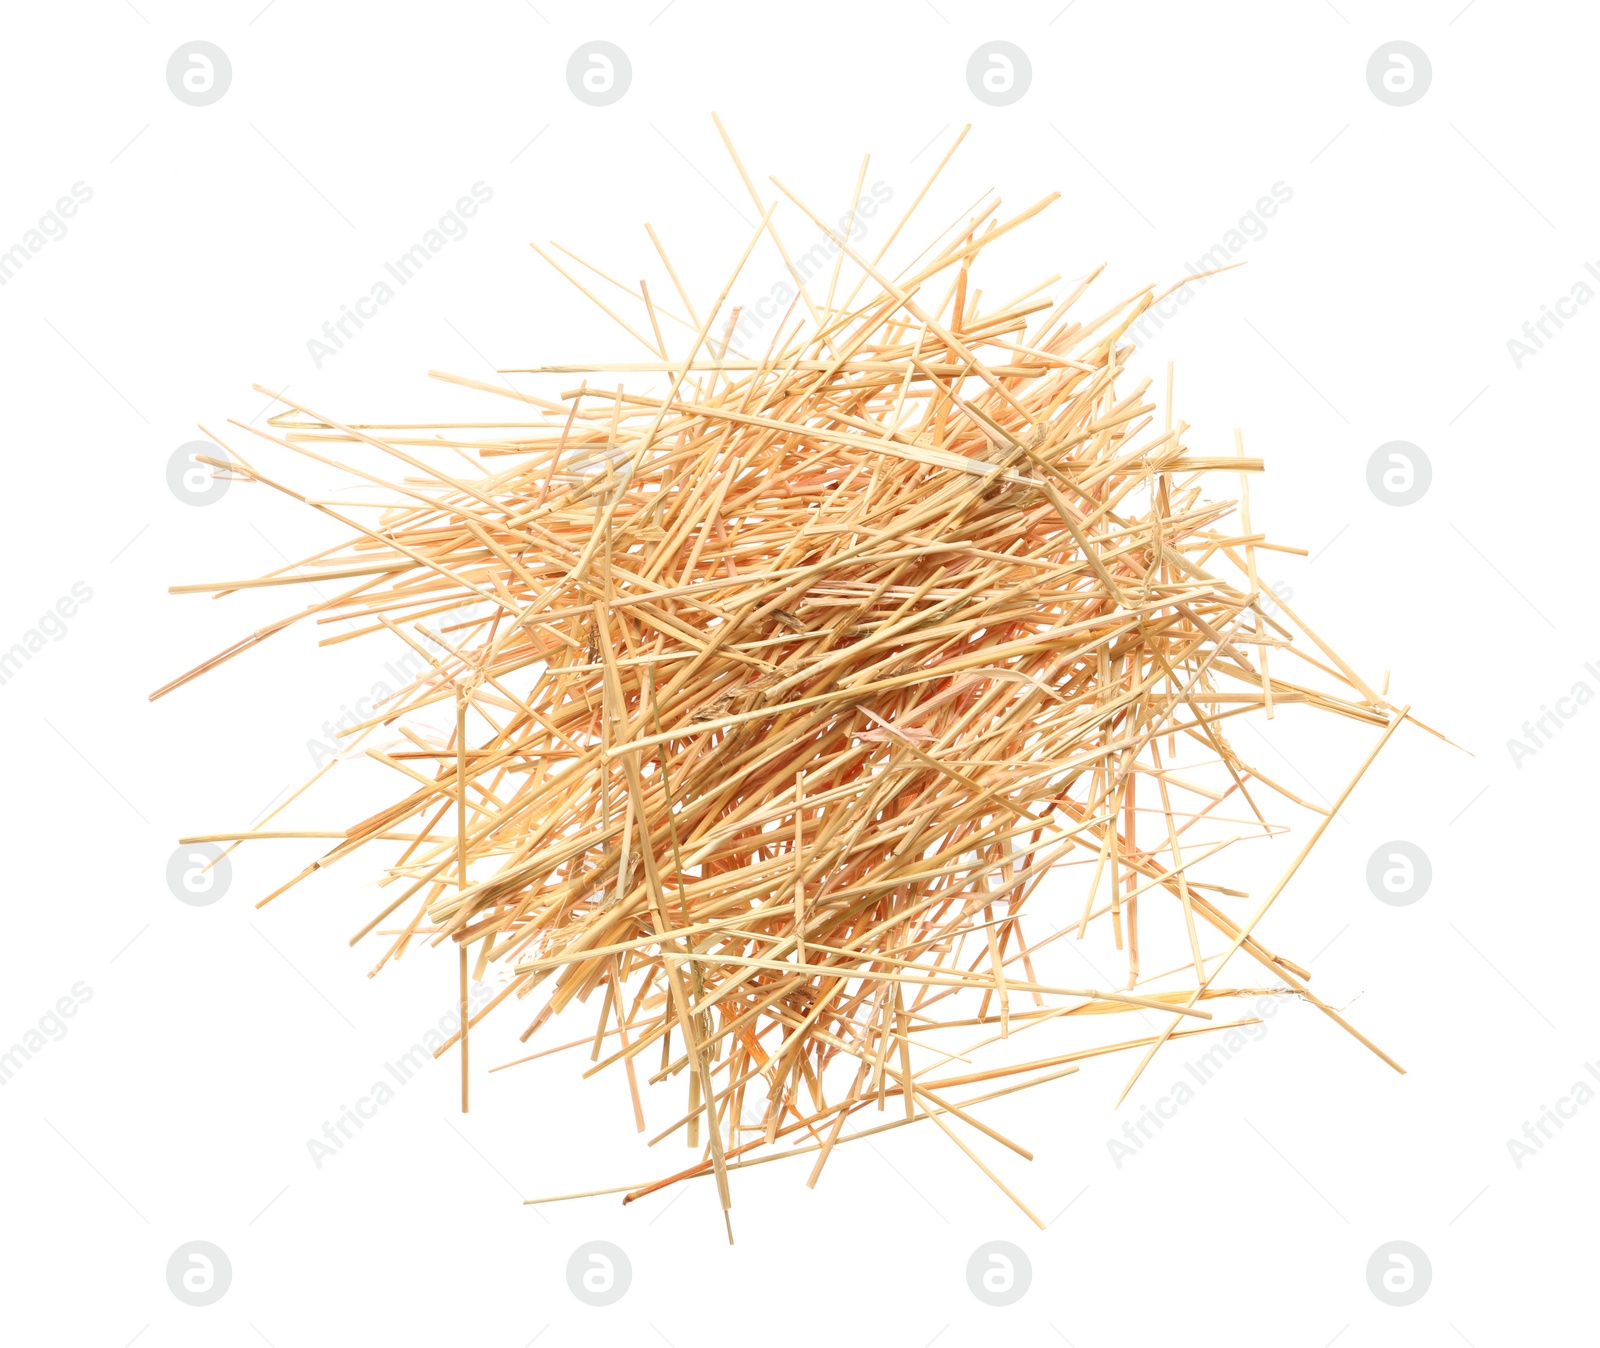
(780,690)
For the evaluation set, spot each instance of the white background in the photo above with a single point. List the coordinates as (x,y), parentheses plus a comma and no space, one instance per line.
(218,1039)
